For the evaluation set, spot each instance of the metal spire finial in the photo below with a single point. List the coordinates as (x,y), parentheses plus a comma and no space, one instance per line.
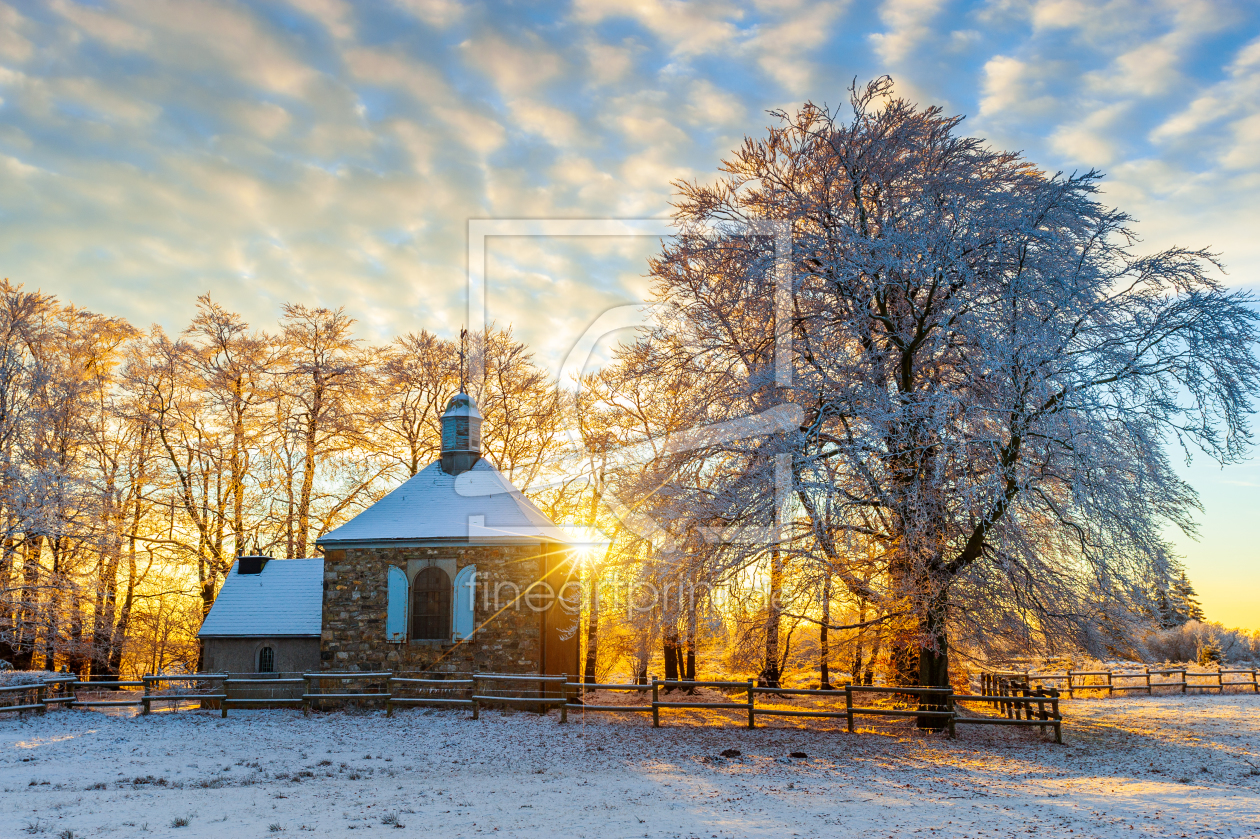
(463,360)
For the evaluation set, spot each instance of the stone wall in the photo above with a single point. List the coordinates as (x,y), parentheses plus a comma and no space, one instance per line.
(508,640)
(240,655)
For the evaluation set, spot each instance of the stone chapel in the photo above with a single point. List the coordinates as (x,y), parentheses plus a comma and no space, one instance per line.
(453,571)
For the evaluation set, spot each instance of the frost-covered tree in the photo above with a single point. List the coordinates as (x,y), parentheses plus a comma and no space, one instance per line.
(1176,601)
(992,375)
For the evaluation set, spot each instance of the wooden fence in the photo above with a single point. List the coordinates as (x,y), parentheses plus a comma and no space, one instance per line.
(1118,681)
(222,691)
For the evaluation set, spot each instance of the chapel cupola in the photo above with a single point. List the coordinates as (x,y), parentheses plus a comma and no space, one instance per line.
(461,435)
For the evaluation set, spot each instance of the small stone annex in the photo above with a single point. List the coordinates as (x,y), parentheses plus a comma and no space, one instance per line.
(266,618)
(453,571)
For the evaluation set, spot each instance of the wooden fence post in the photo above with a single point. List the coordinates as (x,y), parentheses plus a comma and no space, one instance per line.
(564,698)
(475,693)
(949,706)
(39,698)
(1220,680)
(656,710)
(848,704)
(306,695)
(1148,681)
(1109,688)
(752,723)
(1069,684)
(146,699)
(1183,681)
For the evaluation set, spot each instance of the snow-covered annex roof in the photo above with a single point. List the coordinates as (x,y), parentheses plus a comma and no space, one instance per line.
(286,598)
(477,506)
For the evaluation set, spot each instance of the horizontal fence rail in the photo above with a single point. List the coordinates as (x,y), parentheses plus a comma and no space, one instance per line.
(1118,681)
(935,708)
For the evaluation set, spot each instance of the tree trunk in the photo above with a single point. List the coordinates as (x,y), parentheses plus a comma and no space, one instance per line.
(106,610)
(207,600)
(669,643)
(857,643)
(8,625)
(313,421)
(239,466)
(690,672)
(933,659)
(592,631)
(119,638)
(770,670)
(56,593)
(27,608)
(868,678)
(79,653)
(824,649)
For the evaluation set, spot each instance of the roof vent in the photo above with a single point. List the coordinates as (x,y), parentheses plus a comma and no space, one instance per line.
(250,564)
(461,435)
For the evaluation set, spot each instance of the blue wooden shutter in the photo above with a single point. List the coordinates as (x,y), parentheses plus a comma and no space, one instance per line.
(396,606)
(465,621)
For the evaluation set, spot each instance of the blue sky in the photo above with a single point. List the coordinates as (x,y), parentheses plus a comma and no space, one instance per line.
(327,153)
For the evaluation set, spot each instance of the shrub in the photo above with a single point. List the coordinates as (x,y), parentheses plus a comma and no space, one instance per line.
(1184,643)
(1210,652)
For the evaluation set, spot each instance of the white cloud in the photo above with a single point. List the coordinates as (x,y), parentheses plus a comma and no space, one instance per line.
(1244,152)
(14,46)
(438,13)
(711,107)
(608,63)
(647,127)
(265,120)
(109,29)
(1234,101)
(785,50)
(1092,140)
(558,127)
(1015,87)
(472,126)
(909,22)
(211,37)
(690,28)
(515,68)
(335,15)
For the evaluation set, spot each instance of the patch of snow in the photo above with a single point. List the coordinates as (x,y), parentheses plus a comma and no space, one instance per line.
(1138,766)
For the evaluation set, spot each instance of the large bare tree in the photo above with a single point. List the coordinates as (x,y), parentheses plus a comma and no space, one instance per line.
(990,372)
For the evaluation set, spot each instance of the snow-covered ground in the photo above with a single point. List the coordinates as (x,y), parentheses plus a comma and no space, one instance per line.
(1162,766)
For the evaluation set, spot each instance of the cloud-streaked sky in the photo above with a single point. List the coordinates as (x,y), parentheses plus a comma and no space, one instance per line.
(332,153)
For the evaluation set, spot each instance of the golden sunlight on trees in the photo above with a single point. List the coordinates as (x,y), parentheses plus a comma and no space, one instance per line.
(137,466)
(946,439)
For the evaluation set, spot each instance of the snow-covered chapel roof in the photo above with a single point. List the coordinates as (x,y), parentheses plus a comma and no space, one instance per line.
(477,506)
(286,598)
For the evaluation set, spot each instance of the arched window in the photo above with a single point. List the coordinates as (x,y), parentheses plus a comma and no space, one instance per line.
(431,605)
(266,660)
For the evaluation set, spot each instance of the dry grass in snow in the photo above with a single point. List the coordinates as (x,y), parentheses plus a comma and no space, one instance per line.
(1162,766)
